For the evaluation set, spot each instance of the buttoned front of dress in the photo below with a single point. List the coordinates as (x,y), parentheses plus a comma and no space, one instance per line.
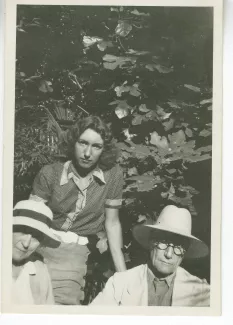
(78,205)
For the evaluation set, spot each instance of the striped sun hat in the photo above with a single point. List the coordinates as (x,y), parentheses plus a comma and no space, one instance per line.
(38,216)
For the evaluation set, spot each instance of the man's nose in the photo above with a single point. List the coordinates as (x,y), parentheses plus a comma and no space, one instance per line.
(169,252)
(87,152)
(27,240)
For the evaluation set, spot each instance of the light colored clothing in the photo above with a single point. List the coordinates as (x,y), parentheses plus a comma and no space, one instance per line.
(130,288)
(33,285)
(160,290)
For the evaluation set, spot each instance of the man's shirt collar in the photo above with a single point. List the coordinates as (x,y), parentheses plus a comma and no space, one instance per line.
(169,279)
(68,172)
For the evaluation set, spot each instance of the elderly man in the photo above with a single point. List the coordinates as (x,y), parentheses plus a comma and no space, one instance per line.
(161,282)
(30,278)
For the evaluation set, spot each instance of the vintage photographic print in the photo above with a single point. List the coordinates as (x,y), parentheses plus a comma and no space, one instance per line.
(112,161)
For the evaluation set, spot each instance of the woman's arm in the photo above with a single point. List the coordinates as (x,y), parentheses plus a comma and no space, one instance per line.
(114,234)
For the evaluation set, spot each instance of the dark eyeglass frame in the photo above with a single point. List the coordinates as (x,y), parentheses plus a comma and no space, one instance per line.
(178,250)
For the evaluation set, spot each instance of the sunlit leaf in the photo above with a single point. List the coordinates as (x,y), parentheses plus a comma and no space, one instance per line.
(143,108)
(158,141)
(173,104)
(206,101)
(103,45)
(134,91)
(143,183)
(162,114)
(121,112)
(128,135)
(121,89)
(21,30)
(168,124)
(137,120)
(133,52)
(45,86)
(136,12)
(171,171)
(91,40)
(132,171)
(205,133)
(114,9)
(198,158)
(123,28)
(112,61)
(141,218)
(189,132)
(159,68)
(102,245)
(193,88)
(177,138)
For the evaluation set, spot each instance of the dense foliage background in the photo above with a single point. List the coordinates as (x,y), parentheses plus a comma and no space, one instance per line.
(148,72)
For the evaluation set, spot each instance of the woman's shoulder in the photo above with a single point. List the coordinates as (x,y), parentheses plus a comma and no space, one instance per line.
(49,169)
(114,174)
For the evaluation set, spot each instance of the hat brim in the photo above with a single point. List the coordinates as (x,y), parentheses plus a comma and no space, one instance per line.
(143,234)
(49,240)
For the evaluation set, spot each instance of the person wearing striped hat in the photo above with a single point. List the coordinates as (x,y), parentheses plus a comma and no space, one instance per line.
(162,281)
(31,282)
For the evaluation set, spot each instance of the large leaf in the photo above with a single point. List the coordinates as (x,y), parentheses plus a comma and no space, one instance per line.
(123,28)
(139,53)
(137,120)
(206,101)
(162,114)
(158,141)
(160,68)
(177,138)
(121,112)
(102,245)
(121,89)
(133,90)
(112,61)
(91,40)
(193,88)
(102,45)
(137,13)
(143,183)
(205,133)
(45,86)
(142,108)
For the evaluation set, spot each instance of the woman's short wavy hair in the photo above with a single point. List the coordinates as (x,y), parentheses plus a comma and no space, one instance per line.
(110,152)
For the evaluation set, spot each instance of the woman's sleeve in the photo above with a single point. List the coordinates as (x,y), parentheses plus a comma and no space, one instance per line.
(114,197)
(42,185)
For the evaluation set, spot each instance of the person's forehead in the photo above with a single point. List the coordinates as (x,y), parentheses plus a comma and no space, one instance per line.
(91,135)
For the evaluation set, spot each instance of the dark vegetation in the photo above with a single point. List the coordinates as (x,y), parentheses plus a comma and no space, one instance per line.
(148,72)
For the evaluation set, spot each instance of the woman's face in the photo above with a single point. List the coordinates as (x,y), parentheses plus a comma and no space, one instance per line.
(88,149)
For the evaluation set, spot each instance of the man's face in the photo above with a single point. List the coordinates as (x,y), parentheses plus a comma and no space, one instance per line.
(24,244)
(88,149)
(165,261)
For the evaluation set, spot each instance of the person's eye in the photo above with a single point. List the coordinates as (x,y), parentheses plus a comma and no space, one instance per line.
(82,143)
(97,146)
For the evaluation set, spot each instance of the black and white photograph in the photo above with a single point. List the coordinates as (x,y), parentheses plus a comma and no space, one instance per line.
(114,158)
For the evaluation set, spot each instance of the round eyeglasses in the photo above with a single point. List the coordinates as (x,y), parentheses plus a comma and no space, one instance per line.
(177,249)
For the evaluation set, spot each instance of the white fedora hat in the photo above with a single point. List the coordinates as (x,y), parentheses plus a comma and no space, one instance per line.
(176,221)
(38,216)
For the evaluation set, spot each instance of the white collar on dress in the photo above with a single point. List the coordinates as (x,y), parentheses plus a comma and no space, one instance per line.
(65,175)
